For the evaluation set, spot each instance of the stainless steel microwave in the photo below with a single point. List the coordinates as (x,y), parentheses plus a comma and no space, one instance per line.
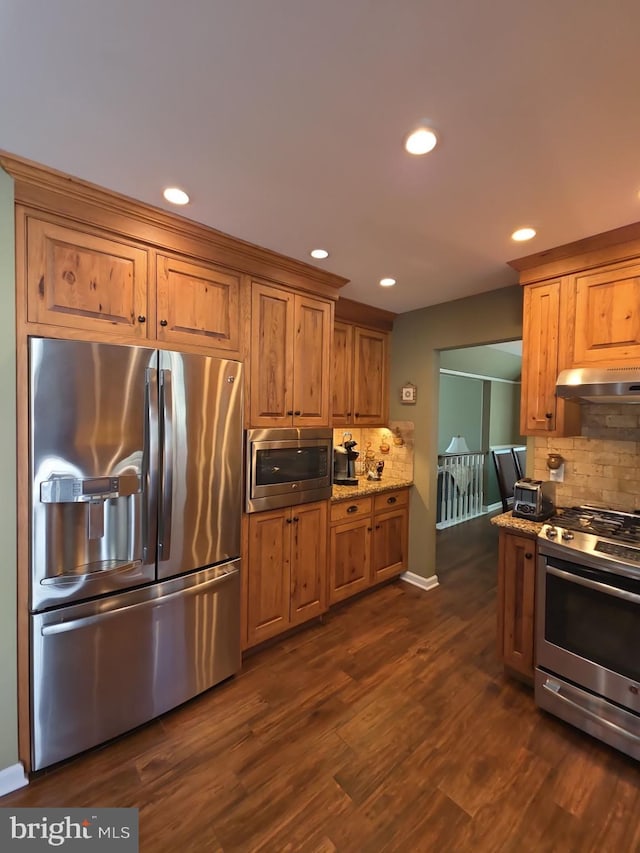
(286,467)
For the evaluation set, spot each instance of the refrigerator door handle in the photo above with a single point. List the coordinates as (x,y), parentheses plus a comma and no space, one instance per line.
(150,469)
(166,486)
(94,618)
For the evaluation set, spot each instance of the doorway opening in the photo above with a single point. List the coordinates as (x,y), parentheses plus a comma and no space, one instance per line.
(478,411)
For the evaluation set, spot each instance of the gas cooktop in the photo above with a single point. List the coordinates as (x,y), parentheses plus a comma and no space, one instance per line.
(608,523)
(604,535)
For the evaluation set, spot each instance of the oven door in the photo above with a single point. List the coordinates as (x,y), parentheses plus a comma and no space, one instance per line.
(588,627)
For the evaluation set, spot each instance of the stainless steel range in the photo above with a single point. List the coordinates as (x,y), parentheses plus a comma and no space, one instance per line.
(588,623)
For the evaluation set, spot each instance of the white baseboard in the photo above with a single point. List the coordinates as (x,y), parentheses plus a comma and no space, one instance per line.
(12,778)
(493,507)
(418,580)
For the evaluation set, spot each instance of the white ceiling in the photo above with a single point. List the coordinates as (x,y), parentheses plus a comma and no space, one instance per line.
(284,120)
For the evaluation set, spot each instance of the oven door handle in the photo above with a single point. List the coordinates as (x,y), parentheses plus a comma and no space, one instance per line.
(599,587)
(555,688)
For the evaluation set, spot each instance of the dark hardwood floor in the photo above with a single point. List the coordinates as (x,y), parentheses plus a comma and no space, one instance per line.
(389,728)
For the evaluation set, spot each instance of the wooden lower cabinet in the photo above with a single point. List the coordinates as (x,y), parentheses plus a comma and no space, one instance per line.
(367,542)
(286,569)
(516,602)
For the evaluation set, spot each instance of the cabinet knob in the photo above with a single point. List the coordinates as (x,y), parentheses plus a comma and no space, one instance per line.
(288,521)
(163,322)
(528,555)
(377,527)
(297,413)
(141,318)
(348,414)
(352,508)
(391,500)
(295,518)
(548,415)
(357,415)
(290,412)
(369,529)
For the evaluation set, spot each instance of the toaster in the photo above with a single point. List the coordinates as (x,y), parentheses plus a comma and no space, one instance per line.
(533,499)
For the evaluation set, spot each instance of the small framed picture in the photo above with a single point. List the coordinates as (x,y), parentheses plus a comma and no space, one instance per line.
(409,393)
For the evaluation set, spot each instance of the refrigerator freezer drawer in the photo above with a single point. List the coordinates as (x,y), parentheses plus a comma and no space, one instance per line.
(103,668)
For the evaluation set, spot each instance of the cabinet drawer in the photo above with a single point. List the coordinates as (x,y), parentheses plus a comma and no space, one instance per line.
(391,500)
(346,510)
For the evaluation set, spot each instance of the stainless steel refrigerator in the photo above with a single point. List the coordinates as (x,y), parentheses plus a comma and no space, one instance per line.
(136,489)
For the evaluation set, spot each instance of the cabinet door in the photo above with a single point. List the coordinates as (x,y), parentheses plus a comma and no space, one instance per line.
(311,368)
(516,596)
(607,316)
(268,574)
(83,280)
(541,412)
(342,374)
(198,304)
(308,561)
(389,550)
(272,317)
(349,558)
(370,377)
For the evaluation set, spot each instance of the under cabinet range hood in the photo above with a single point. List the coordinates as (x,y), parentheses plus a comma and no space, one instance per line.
(600,384)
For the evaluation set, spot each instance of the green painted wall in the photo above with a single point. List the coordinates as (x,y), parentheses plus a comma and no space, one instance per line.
(460,411)
(415,343)
(8,520)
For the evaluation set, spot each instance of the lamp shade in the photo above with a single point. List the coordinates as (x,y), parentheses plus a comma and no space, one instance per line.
(457,445)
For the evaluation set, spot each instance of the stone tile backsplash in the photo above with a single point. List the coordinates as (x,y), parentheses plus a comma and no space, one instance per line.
(602,465)
(399,436)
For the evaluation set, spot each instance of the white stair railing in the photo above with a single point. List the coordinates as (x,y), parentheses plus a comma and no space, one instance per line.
(460,494)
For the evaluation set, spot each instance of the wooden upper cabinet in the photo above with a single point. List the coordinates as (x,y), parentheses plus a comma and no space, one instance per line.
(85,280)
(541,411)
(606,307)
(290,346)
(342,407)
(197,304)
(370,377)
(311,373)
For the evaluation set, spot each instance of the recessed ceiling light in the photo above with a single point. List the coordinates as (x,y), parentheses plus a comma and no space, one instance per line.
(387,282)
(319,253)
(523,234)
(175,195)
(421,140)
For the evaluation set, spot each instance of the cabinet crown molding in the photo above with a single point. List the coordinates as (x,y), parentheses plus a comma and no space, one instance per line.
(612,246)
(42,188)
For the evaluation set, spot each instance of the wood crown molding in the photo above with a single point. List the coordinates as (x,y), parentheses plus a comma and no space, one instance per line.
(349,311)
(612,246)
(42,188)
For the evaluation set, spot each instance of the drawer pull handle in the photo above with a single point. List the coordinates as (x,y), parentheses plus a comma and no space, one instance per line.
(391,500)
(353,508)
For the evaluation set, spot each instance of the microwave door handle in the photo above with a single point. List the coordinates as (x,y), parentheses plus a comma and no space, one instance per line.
(166,487)
(595,585)
(150,466)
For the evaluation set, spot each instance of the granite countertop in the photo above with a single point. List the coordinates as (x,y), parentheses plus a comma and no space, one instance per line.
(368,487)
(520,525)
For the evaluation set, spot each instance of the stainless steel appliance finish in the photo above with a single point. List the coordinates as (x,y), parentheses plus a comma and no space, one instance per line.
(287,467)
(103,667)
(533,499)
(600,384)
(136,460)
(588,623)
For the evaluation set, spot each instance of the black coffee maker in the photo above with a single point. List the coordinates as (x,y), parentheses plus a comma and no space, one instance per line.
(344,462)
